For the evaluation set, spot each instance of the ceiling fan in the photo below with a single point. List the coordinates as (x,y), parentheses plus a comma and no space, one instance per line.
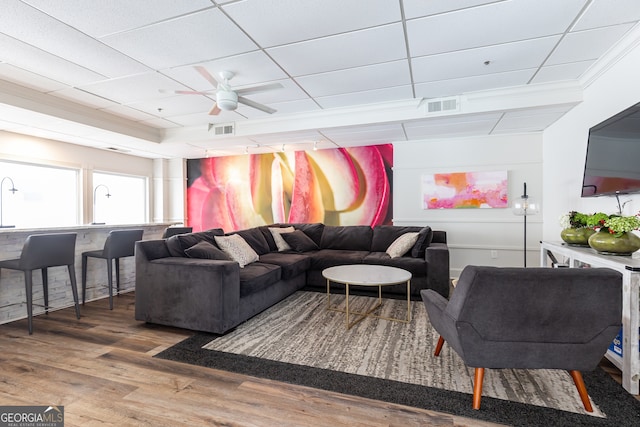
(227,99)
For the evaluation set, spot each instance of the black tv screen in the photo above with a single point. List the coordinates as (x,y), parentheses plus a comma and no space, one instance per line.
(613,155)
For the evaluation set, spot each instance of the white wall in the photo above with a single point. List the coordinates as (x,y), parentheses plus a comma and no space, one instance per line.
(29,149)
(565,144)
(473,233)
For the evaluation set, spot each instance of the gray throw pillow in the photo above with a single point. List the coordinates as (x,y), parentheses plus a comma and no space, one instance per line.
(299,241)
(424,240)
(402,245)
(206,250)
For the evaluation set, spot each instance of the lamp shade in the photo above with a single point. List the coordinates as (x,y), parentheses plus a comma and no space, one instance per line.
(526,206)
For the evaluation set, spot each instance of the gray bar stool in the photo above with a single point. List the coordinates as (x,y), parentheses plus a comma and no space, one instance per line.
(119,244)
(172,231)
(39,252)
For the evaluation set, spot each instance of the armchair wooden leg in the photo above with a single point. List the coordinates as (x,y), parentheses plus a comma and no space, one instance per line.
(582,390)
(477,387)
(439,346)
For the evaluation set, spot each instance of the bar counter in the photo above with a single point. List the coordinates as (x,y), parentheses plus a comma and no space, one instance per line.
(90,237)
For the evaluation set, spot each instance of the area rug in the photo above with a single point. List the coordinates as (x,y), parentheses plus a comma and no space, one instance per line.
(300,342)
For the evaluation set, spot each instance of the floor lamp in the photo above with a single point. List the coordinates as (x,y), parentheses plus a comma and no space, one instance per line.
(524,207)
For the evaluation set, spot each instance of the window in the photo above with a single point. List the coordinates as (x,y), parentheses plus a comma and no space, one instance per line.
(46,196)
(119,199)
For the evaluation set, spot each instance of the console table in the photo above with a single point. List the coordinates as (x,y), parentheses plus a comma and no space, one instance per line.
(629,363)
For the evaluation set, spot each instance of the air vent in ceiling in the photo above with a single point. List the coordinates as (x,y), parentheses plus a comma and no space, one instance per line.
(120,150)
(222,129)
(442,105)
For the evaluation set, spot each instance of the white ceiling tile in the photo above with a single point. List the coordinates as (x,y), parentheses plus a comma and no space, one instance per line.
(588,44)
(474,124)
(174,105)
(418,8)
(28,79)
(28,24)
(505,57)
(249,68)
(366,97)
(608,12)
(364,47)
(356,79)
(113,16)
(275,22)
(82,97)
(135,88)
(203,36)
(462,85)
(492,24)
(570,71)
(298,106)
(38,61)
(128,113)
(160,123)
(526,123)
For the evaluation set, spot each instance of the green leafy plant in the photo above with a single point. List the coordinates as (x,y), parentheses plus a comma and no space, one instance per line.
(614,224)
(573,219)
(619,225)
(596,220)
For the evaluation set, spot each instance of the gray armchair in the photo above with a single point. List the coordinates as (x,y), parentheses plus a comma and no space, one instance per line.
(529,318)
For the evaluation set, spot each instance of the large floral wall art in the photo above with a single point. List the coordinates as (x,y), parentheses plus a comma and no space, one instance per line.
(464,190)
(342,186)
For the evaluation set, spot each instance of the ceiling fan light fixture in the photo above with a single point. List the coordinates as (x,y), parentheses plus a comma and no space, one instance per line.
(227,100)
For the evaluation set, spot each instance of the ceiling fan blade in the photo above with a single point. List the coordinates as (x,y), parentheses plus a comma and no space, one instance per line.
(258,89)
(215,110)
(194,92)
(256,105)
(204,73)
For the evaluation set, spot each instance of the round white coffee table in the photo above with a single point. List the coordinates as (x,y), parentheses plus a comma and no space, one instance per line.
(366,275)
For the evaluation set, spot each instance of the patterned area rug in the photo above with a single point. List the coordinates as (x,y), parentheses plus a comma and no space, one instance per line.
(393,361)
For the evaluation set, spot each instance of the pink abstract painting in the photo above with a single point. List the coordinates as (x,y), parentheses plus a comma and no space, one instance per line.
(464,190)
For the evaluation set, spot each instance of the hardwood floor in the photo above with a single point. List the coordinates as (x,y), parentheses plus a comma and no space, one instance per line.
(101,368)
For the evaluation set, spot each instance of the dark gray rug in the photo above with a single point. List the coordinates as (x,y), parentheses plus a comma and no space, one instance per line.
(298,341)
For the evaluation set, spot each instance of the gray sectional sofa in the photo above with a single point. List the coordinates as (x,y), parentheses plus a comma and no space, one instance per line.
(188,282)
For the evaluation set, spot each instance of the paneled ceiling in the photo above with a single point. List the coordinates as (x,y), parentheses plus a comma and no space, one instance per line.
(352,72)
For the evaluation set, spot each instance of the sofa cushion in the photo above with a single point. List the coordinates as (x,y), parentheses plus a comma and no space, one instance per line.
(258,276)
(402,245)
(255,239)
(277,233)
(206,250)
(384,235)
(416,266)
(314,230)
(350,238)
(325,258)
(291,264)
(299,241)
(237,248)
(424,240)
(179,243)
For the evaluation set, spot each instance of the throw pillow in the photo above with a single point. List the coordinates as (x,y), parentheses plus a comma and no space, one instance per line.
(237,248)
(424,240)
(206,250)
(280,243)
(402,245)
(299,241)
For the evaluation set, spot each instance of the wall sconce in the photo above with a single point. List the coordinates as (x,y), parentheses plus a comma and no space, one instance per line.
(523,207)
(94,202)
(282,149)
(13,190)
(315,146)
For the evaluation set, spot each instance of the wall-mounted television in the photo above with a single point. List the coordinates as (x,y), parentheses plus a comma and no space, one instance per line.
(612,165)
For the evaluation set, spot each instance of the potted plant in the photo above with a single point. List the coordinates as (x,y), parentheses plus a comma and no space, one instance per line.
(575,231)
(615,235)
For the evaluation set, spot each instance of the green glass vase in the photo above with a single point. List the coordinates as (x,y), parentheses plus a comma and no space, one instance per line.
(577,236)
(608,244)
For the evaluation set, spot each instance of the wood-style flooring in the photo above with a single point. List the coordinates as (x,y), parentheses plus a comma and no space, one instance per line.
(101,369)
